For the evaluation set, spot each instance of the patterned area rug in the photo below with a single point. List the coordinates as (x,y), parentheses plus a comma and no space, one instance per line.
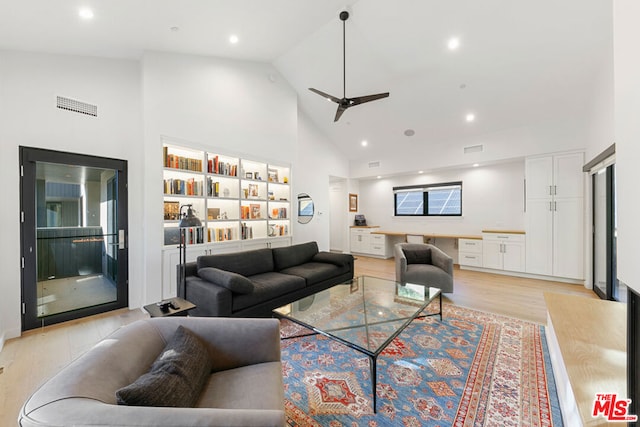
(471,369)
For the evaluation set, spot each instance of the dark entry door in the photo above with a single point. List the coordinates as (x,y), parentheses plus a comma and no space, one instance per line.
(73,236)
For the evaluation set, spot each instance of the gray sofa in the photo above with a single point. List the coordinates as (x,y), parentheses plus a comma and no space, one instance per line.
(253,283)
(244,388)
(424,264)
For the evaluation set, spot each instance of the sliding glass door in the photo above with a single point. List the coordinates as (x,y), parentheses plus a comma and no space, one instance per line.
(73,236)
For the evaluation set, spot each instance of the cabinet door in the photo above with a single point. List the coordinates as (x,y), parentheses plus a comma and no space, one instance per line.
(568,239)
(568,176)
(170,261)
(360,242)
(539,227)
(539,178)
(513,256)
(492,254)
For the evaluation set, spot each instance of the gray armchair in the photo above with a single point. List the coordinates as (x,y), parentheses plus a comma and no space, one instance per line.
(424,264)
(244,387)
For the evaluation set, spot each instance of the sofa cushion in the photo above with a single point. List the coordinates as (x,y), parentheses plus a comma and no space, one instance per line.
(294,255)
(245,263)
(232,281)
(316,272)
(176,377)
(429,275)
(266,287)
(418,256)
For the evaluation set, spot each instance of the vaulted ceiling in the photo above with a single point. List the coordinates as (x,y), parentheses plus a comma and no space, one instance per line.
(519,61)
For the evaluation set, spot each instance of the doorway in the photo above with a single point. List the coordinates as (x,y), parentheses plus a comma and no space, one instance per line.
(73,236)
(605,282)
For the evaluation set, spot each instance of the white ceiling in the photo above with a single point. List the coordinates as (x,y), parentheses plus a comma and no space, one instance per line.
(520,61)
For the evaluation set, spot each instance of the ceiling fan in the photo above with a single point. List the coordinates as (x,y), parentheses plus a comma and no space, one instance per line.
(344,102)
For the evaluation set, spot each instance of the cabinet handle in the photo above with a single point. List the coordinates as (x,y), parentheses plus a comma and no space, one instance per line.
(555,206)
(551,190)
(551,206)
(555,190)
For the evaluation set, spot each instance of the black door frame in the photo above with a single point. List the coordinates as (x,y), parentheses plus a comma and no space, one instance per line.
(611,273)
(28,158)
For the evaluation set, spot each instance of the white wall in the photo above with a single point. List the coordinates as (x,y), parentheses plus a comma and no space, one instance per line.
(509,144)
(237,107)
(317,160)
(29,84)
(627,134)
(492,197)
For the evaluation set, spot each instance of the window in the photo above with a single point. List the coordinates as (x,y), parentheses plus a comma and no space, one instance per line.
(443,199)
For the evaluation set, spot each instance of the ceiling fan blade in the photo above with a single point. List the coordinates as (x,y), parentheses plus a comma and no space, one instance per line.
(367,98)
(325,95)
(341,109)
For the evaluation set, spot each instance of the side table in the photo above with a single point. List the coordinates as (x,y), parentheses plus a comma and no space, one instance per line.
(178,307)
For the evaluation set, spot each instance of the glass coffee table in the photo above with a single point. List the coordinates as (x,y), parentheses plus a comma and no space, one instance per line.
(365,314)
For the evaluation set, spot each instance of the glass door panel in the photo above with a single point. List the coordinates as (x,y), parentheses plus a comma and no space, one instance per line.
(600,233)
(76,240)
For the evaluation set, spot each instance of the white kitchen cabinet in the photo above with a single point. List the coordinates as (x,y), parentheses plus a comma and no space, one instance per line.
(503,251)
(554,218)
(470,252)
(365,241)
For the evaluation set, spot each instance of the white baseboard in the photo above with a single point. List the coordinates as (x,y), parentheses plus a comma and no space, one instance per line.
(522,274)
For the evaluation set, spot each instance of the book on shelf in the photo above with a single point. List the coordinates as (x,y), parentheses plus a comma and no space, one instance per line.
(216,166)
(246,231)
(213,188)
(253,190)
(220,234)
(245,212)
(183,187)
(279,213)
(181,162)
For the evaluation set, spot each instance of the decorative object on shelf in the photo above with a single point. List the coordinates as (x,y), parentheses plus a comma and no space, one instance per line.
(248,175)
(253,190)
(187,220)
(213,213)
(226,192)
(256,175)
(272,175)
(345,102)
(171,211)
(305,208)
(353,202)
(285,180)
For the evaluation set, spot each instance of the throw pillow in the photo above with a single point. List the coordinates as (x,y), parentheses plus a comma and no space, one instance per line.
(176,377)
(233,281)
(421,256)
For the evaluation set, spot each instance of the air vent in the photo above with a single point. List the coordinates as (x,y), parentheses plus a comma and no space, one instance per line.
(473,149)
(77,106)
(374,165)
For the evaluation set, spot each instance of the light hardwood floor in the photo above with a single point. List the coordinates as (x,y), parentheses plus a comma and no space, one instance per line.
(27,362)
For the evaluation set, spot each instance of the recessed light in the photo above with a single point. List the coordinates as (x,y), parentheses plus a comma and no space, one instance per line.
(409,132)
(364,143)
(453,43)
(85,13)
(421,172)
(470,117)
(378,177)
(233,39)
(475,165)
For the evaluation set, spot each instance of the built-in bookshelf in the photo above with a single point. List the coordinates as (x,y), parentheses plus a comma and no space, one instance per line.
(236,198)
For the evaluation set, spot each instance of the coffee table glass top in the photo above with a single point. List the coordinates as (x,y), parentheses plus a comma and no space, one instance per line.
(367,312)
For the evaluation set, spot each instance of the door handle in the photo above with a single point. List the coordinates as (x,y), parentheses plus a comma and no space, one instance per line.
(121,239)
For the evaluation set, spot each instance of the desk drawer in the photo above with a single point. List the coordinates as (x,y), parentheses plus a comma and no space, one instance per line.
(470,259)
(470,245)
(378,239)
(377,249)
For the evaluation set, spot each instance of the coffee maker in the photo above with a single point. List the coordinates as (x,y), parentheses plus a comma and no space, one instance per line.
(360,220)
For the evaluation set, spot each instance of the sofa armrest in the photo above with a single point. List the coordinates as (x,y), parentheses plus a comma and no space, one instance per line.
(78,411)
(333,258)
(401,263)
(441,260)
(211,300)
